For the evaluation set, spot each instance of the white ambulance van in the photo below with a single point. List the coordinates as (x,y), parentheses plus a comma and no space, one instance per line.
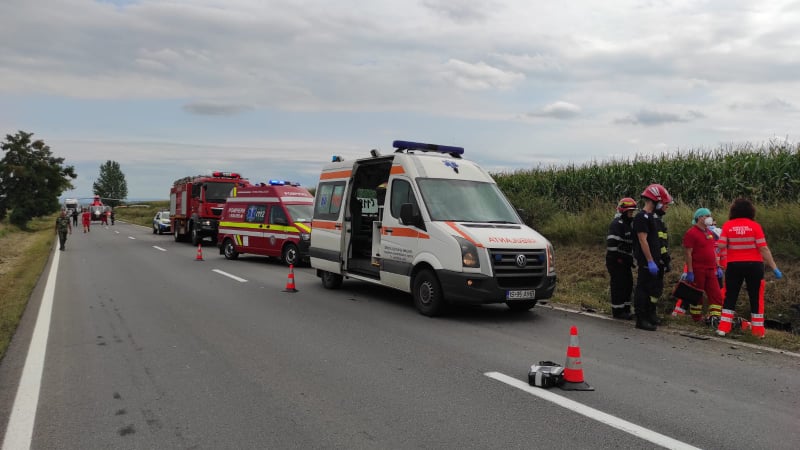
(425,221)
(267,219)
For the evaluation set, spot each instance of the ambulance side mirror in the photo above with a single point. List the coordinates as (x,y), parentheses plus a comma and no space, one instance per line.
(524,215)
(409,215)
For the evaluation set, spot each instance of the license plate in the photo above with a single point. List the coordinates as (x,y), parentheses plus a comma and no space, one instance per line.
(521,295)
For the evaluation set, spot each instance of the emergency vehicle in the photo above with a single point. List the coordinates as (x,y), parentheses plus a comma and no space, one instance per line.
(195,204)
(267,219)
(98,210)
(425,221)
(70,205)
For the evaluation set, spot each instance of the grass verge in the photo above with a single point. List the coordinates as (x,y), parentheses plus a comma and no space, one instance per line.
(23,258)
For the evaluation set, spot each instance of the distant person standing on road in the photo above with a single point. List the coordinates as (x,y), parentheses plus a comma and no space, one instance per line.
(75,217)
(112,217)
(619,259)
(651,248)
(63,226)
(87,220)
(747,250)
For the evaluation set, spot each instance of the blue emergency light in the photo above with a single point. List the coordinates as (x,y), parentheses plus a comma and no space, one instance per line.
(408,145)
(276,182)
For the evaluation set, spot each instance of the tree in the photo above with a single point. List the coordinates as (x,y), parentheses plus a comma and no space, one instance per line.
(31,179)
(111,185)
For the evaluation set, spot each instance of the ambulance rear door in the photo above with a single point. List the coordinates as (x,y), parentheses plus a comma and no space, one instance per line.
(327,236)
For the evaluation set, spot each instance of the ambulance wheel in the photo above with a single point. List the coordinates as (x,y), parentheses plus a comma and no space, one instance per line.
(521,306)
(331,280)
(229,250)
(427,294)
(290,255)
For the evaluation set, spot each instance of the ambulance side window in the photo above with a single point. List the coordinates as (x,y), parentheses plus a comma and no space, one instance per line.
(328,201)
(401,193)
(277,216)
(255,213)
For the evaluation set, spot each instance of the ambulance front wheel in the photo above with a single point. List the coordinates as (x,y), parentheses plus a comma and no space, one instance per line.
(331,280)
(229,250)
(427,292)
(290,255)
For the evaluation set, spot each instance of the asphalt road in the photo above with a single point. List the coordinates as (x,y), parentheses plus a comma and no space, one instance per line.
(148,348)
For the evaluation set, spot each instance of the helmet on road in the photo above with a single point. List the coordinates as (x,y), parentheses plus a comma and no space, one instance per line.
(657,193)
(626,204)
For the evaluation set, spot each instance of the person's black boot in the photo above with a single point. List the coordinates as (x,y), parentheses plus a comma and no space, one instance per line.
(645,325)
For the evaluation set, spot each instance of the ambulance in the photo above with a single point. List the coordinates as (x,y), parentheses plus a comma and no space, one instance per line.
(428,222)
(271,219)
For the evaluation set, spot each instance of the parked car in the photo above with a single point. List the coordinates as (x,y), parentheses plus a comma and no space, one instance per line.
(161,222)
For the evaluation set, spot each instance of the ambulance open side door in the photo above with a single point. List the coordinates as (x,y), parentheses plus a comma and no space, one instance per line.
(399,243)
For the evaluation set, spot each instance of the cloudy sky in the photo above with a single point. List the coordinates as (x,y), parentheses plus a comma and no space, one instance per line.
(273,88)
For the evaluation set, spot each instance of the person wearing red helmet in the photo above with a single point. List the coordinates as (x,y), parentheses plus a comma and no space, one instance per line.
(651,249)
(619,259)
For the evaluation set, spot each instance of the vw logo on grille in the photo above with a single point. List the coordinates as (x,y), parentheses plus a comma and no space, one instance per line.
(521,260)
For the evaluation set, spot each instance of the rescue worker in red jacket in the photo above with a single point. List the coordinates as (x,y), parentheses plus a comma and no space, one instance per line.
(619,259)
(701,264)
(651,249)
(747,251)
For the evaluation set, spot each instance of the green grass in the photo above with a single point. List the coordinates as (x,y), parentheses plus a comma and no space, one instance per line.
(141,213)
(16,284)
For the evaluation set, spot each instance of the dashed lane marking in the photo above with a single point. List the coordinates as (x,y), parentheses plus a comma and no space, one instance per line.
(159,248)
(131,237)
(241,280)
(588,411)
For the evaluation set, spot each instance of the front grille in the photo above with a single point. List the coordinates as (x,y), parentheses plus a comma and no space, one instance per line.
(509,275)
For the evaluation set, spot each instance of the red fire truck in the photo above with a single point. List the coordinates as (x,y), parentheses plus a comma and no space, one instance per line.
(195,204)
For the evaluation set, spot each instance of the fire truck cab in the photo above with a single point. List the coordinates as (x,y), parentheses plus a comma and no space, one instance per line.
(271,219)
(196,203)
(427,222)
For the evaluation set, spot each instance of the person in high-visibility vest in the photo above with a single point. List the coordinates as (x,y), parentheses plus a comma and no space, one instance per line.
(651,249)
(747,251)
(619,259)
(701,264)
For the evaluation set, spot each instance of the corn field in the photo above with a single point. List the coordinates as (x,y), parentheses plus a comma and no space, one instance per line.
(767,175)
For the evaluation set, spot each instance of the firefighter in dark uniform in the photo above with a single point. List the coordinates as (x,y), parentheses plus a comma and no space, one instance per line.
(651,249)
(619,259)
(63,225)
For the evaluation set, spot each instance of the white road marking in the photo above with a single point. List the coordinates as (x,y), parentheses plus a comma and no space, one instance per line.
(241,280)
(600,416)
(159,248)
(131,237)
(115,231)
(23,414)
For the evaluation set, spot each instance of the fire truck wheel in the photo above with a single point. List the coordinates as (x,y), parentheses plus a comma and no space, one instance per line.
(331,280)
(229,250)
(427,294)
(290,255)
(196,238)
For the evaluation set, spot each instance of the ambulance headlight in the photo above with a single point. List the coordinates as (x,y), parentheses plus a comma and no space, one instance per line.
(551,260)
(469,253)
(305,236)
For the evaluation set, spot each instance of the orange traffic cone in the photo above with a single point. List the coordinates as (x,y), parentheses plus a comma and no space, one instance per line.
(573,372)
(199,256)
(290,281)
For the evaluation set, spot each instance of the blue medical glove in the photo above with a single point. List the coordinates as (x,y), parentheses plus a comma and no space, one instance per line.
(690,277)
(652,267)
(778,274)
(720,273)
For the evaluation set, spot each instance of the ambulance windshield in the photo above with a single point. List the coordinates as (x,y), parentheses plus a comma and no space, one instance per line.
(466,201)
(301,213)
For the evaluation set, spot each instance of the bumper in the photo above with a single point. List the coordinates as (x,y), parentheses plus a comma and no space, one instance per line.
(468,288)
(164,228)
(303,250)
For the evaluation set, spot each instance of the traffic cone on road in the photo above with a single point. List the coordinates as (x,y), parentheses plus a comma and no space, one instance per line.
(290,282)
(199,256)
(573,372)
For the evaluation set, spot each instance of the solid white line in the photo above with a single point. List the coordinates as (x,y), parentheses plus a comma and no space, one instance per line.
(600,416)
(241,280)
(159,248)
(131,237)
(23,414)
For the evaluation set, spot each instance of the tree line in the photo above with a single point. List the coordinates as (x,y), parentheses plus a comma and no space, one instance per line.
(32,179)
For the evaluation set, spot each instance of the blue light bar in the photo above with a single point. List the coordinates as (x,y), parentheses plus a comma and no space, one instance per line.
(408,145)
(276,182)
